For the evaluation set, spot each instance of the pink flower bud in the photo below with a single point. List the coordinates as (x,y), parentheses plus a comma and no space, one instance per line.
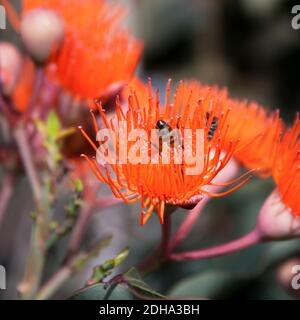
(42,32)
(10,67)
(276,221)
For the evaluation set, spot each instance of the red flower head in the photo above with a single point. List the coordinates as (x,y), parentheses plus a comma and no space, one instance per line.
(159,184)
(97,52)
(286,169)
(279,216)
(136,85)
(23,90)
(259,131)
(16,76)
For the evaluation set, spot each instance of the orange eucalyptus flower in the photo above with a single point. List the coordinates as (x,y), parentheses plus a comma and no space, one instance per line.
(23,90)
(203,92)
(279,216)
(97,52)
(159,184)
(17,75)
(136,85)
(259,131)
(286,169)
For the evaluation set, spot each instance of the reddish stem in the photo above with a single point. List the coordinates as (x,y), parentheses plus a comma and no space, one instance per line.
(36,92)
(79,229)
(107,202)
(165,237)
(187,224)
(6,193)
(162,252)
(252,238)
(28,162)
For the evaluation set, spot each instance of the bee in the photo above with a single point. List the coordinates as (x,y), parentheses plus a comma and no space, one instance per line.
(162,125)
(213,127)
(165,131)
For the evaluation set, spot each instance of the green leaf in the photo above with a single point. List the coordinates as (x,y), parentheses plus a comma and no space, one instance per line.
(65,133)
(105,269)
(206,285)
(101,292)
(41,127)
(80,261)
(134,287)
(278,251)
(53,125)
(140,288)
(121,256)
(78,185)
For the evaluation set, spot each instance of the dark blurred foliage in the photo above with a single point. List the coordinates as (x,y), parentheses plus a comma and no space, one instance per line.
(246,45)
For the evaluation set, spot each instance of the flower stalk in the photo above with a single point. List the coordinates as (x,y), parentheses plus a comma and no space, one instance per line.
(6,193)
(187,224)
(252,238)
(26,156)
(162,252)
(37,253)
(79,229)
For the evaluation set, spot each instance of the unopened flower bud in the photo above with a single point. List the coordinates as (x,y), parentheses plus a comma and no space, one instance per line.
(10,66)
(42,32)
(276,221)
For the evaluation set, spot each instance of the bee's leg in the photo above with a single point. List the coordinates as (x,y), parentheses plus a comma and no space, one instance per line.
(182,172)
